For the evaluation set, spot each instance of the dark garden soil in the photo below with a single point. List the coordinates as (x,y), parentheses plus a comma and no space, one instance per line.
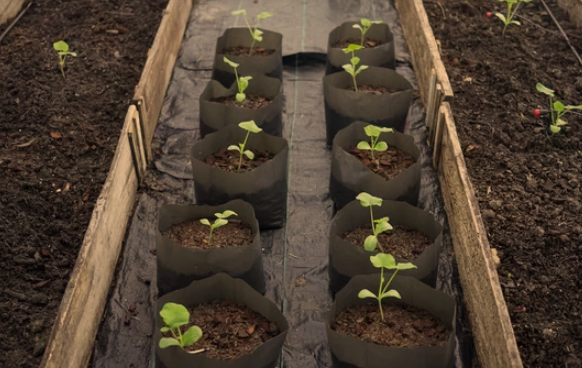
(402,242)
(372,90)
(388,164)
(229,329)
(403,326)
(193,234)
(527,182)
(252,101)
(57,140)
(229,160)
(369,43)
(245,51)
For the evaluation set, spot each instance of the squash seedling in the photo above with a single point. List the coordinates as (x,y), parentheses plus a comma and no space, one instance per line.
(256,33)
(62,49)
(557,109)
(354,61)
(221,220)
(175,316)
(374,132)
(364,26)
(507,19)
(242,82)
(250,127)
(378,226)
(385,261)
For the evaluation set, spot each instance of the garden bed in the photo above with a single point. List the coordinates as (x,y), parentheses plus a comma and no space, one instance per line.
(527,181)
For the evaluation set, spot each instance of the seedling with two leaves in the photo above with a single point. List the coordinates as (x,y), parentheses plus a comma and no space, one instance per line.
(557,109)
(512,6)
(385,261)
(256,33)
(250,127)
(374,132)
(175,316)
(352,68)
(221,220)
(62,49)
(242,82)
(364,26)
(379,226)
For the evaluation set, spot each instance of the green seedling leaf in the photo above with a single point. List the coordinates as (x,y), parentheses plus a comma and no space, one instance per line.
(381,146)
(377,22)
(370,243)
(383,219)
(545,90)
(205,222)
(363,294)
(264,15)
(61,46)
(361,68)
(558,106)
(571,107)
(358,27)
(561,122)
(515,22)
(382,260)
(250,126)
(240,97)
(192,335)
(352,48)
(391,294)
(174,315)
(555,129)
(349,68)
(164,329)
(366,22)
(231,63)
(225,214)
(233,148)
(368,200)
(364,146)
(382,227)
(239,12)
(219,223)
(250,155)
(168,341)
(355,60)
(405,266)
(375,131)
(500,16)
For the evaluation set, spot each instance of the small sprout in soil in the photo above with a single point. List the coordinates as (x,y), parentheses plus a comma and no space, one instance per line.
(242,82)
(556,107)
(221,220)
(385,261)
(365,26)
(175,316)
(250,127)
(62,49)
(374,132)
(378,226)
(256,33)
(507,19)
(354,61)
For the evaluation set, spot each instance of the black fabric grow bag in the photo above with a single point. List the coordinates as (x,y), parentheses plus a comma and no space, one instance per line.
(347,259)
(221,287)
(343,107)
(349,352)
(271,65)
(349,177)
(215,116)
(178,266)
(265,187)
(381,56)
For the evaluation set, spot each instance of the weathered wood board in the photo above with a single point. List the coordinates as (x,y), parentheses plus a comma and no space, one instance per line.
(574,9)
(9,9)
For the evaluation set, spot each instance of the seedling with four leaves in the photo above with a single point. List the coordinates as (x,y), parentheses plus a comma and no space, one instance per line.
(385,261)
(374,132)
(352,68)
(62,48)
(242,82)
(365,26)
(512,6)
(221,220)
(256,33)
(175,316)
(557,109)
(378,226)
(250,127)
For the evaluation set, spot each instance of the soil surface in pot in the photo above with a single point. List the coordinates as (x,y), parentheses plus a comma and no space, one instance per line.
(245,51)
(230,330)
(57,140)
(252,101)
(193,234)
(526,180)
(229,160)
(371,90)
(369,43)
(403,326)
(402,242)
(388,164)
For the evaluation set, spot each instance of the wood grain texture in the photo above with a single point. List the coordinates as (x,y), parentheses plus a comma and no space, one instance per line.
(9,9)
(574,9)
(136,143)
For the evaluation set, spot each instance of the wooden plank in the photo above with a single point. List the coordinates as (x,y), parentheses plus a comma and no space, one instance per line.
(438,139)
(136,143)
(9,9)
(423,47)
(574,9)
(150,92)
(490,322)
(73,334)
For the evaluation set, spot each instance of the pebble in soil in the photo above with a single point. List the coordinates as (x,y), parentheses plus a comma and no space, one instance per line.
(245,51)
(388,164)
(229,160)
(193,234)
(252,101)
(368,43)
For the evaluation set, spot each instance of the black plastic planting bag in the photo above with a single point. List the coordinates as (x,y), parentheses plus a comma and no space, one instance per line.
(271,65)
(350,352)
(221,287)
(265,187)
(178,266)
(215,115)
(347,259)
(381,56)
(344,107)
(349,177)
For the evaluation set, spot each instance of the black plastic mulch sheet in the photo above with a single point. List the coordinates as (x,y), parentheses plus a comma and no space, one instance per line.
(295,257)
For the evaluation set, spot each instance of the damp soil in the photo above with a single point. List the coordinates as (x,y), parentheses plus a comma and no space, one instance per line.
(388,164)
(57,139)
(245,51)
(403,326)
(229,160)
(253,101)
(368,43)
(193,234)
(527,181)
(403,242)
(230,330)
(371,90)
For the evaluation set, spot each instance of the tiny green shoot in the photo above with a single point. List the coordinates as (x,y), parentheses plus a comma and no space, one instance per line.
(175,316)
(385,261)
(374,132)
(354,61)
(511,10)
(221,220)
(365,26)
(62,49)
(378,226)
(557,109)
(256,33)
(242,82)
(250,127)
